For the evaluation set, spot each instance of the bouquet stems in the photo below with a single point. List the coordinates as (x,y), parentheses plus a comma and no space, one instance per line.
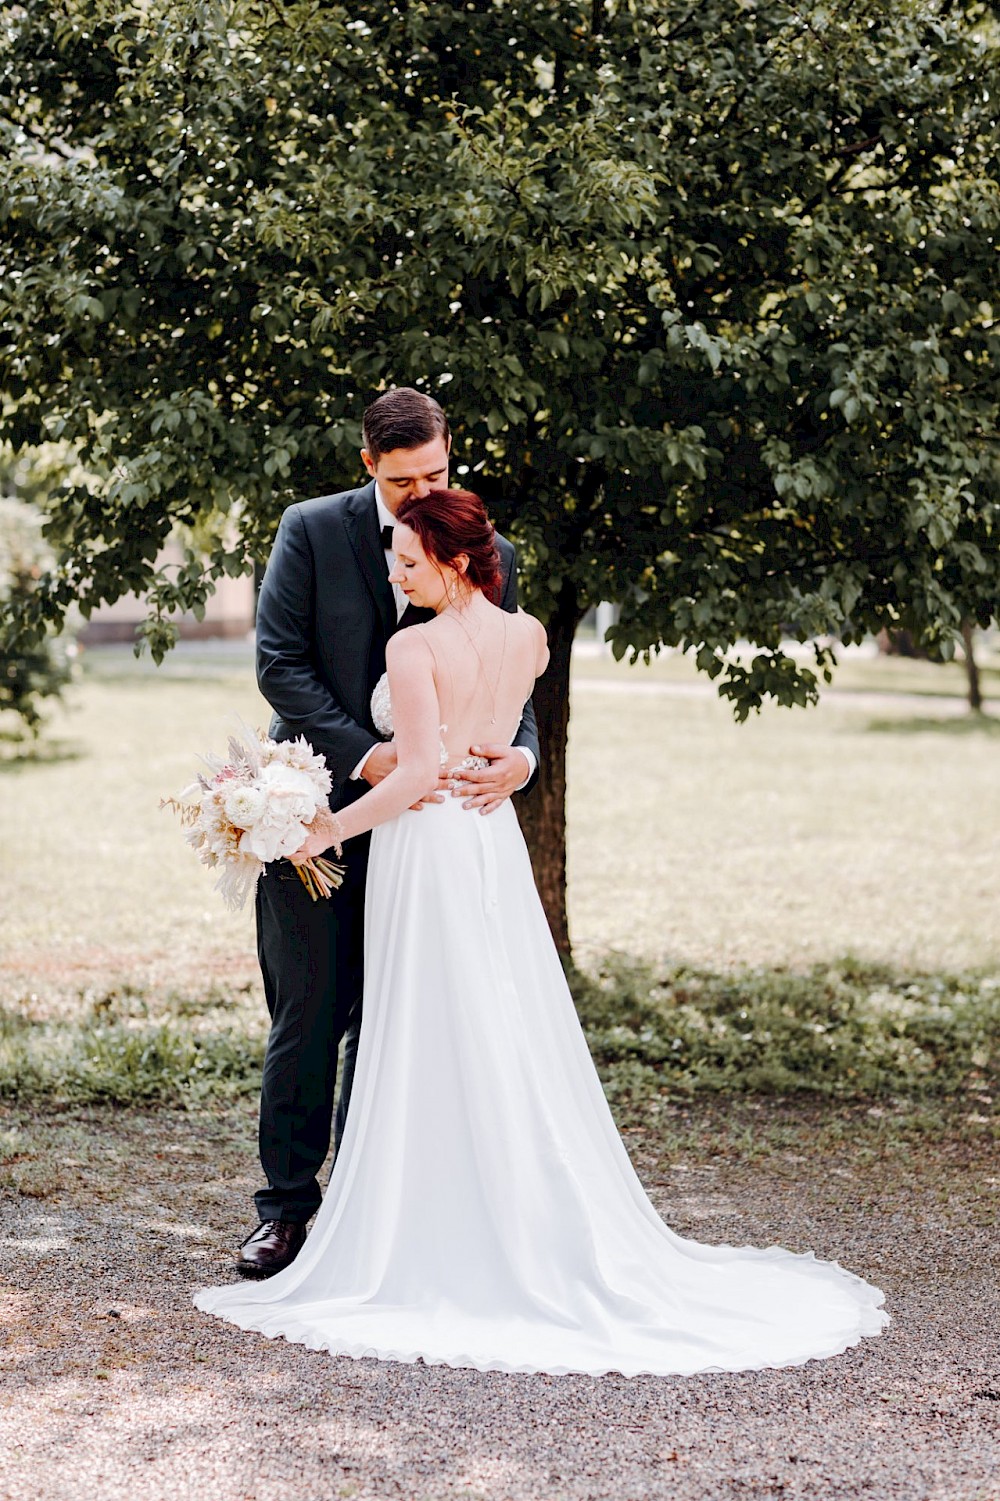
(320,877)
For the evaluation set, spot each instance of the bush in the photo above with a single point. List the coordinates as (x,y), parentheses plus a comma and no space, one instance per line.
(35,671)
(118,1062)
(849,1031)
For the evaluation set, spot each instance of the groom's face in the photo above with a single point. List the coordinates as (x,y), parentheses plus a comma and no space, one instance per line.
(405,472)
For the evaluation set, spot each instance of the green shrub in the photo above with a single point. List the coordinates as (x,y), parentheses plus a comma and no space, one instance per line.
(118,1063)
(33,671)
(846,1030)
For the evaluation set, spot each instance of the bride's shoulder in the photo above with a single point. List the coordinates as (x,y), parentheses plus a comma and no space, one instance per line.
(538,636)
(530,622)
(407,648)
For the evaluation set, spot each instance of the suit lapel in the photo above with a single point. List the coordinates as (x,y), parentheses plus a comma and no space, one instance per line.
(361,522)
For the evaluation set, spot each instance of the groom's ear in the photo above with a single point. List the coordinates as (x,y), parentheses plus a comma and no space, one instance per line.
(368,462)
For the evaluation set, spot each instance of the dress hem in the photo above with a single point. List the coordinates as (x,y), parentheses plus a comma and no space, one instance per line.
(872,1321)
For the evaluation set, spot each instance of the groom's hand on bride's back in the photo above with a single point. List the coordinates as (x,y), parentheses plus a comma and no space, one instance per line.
(381,761)
(486,790)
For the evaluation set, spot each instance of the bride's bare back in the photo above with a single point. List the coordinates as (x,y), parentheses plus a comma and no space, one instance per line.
(458,681)
(485,662)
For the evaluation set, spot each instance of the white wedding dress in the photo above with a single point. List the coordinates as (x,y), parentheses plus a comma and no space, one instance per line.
(483,1211)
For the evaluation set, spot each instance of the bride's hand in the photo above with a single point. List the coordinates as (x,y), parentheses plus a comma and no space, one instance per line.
(321,837)
(380,762)
(486,790)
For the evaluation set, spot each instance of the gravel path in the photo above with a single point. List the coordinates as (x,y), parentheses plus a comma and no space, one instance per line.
(113,1386)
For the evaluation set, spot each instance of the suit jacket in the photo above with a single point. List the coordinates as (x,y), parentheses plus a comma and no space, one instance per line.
(325,612)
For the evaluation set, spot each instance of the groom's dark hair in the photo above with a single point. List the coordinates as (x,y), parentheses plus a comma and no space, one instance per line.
(402,418)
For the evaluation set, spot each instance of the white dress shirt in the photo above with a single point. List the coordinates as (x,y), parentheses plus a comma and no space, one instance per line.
(386,518)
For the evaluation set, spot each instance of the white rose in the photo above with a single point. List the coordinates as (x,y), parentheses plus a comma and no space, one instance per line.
(291,802)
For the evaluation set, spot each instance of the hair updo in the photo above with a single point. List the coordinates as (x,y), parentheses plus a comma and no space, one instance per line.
(450,523)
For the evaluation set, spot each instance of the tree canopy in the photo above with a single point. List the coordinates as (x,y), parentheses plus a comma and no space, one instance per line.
(706,289)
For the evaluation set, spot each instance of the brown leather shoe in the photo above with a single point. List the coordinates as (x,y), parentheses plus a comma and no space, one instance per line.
(273,1245)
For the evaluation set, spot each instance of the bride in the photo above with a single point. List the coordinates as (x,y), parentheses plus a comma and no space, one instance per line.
(483,1211)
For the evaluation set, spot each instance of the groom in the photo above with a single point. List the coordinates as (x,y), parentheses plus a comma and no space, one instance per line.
(325,612)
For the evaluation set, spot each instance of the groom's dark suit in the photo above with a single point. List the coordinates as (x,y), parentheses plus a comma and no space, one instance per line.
(325,612)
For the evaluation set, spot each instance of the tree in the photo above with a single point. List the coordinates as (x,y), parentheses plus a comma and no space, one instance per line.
(704,287)
(901,644)
(975,692)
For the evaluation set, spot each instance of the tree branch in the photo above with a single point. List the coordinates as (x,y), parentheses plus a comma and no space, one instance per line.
(858,146)
(672,35)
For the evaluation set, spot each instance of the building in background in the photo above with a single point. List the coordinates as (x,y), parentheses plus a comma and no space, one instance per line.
(230,611)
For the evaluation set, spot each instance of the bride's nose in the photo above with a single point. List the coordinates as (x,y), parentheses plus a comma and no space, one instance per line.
(396,576)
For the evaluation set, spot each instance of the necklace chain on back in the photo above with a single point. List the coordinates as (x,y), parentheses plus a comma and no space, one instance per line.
(453,614)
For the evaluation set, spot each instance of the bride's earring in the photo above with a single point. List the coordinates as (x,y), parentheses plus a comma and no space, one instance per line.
(452,592)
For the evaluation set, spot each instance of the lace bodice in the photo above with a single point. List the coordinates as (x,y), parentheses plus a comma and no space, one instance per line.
(381,707)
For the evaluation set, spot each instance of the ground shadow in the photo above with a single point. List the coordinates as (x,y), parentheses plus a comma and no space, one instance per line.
(17,756)
(956,726)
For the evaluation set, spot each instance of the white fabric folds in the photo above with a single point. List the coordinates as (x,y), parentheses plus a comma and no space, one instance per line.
(483,1211)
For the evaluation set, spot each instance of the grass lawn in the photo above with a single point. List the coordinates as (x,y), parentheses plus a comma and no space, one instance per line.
(799,837)
(863,827)
(105,889)
(806,901)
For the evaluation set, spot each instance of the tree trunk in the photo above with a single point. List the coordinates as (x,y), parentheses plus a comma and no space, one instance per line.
(900,644)
(971,668)
(543,811)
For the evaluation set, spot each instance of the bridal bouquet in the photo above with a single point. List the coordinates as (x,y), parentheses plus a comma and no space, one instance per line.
(258,806)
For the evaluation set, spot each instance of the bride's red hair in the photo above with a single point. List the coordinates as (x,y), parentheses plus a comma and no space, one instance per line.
(452,522)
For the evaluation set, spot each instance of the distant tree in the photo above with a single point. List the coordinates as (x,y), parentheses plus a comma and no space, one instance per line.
(902,643)
(974,686)
(706,289)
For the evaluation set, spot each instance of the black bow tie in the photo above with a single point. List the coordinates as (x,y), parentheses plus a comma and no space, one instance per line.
(387,538)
